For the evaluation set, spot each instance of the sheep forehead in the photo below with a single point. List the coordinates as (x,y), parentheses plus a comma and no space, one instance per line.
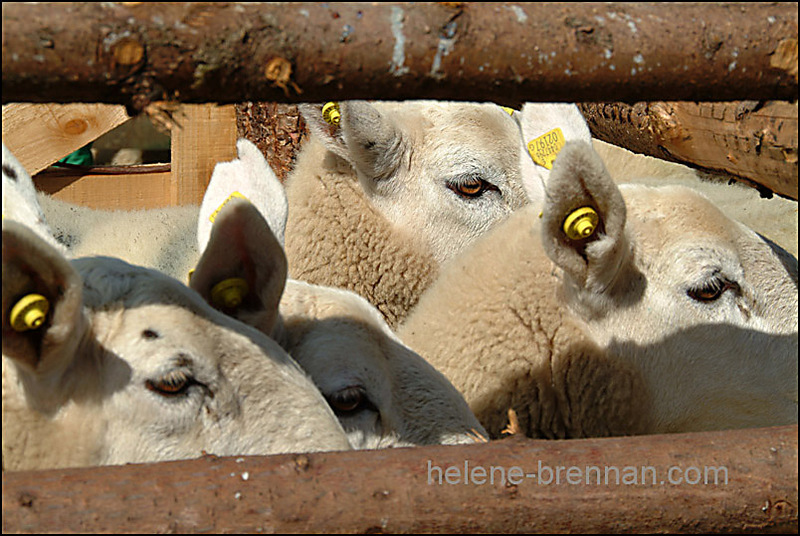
(156,334)
(341,356)
(109,281)
(682,236)
(443,125)
(677,212)
(667,221)
(126,300)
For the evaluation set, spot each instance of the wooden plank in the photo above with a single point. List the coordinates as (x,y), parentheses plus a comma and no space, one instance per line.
(740,481)
(41,134)
(109,192)
(753,140)
(205,135)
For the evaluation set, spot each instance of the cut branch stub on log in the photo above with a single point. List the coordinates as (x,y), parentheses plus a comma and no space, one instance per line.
(134,53)
(753,140)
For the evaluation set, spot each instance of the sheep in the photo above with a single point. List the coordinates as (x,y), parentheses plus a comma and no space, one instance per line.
(384,394)
(663,315)
(107,363)
(381,221)
(380,199)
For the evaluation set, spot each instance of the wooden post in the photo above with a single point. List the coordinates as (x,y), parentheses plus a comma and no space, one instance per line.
(205,135)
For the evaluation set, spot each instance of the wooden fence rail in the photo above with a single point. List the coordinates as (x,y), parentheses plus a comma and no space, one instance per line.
(733,481)
(135,52)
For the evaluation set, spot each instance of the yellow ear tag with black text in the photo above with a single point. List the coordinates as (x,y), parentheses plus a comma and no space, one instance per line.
(234,194)
(545,148)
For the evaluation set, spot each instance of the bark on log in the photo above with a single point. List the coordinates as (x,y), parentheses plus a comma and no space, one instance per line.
(425,490)
(752,140)
(278,130)
(137,52)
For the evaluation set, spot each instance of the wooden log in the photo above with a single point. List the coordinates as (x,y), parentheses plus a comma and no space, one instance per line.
(753,140)
(733,481)
(135,53)
(278,130)
(41,134)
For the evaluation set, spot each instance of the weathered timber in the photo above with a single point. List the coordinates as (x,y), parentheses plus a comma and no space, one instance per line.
(753,140)
(134,53)
(715,482)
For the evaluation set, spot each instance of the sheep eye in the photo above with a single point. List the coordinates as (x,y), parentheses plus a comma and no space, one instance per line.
(150,334)
(711,291)
(172,384)
(348,400)
(471,188)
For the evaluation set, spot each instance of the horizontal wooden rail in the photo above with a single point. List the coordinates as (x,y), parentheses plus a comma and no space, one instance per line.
(148,187)
(134,53)
(732,481)
(754,140)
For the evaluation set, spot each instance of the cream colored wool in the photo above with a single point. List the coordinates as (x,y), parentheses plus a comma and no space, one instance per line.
(335,238)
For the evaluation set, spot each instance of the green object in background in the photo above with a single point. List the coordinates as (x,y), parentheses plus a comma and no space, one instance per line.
(81,157)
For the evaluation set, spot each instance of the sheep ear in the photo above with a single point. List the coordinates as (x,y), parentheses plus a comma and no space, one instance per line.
(367,139)
(583,228)
(43,318)
(20,202)
(329,131)
(242,271)
(546,127)
(249,177)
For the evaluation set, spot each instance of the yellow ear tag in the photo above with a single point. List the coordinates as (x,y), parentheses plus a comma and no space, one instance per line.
(189,277)
(234,194)
(581,223)
(331,113)
(229,293)
(29,312)
(545,148)
(509,111)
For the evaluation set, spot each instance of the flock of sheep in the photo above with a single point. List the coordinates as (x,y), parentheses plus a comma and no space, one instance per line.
(429,270)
